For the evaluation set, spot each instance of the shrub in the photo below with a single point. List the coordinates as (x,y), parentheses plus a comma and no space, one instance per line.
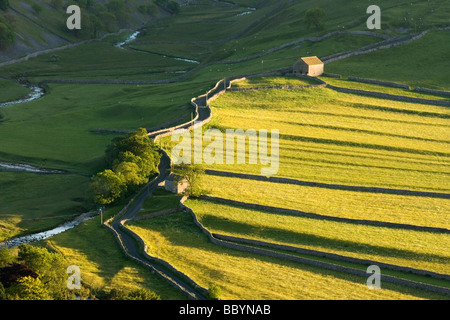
(214,292)
(4,5)
(6,34)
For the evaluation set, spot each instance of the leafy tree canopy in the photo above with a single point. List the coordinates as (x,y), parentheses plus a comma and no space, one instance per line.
(4,5)
(314,17)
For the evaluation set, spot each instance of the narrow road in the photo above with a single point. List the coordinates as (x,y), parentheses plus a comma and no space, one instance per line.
(132,248)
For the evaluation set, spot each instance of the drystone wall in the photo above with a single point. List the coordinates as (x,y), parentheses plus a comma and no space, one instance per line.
(391,96)
(299,213)
(380,82)
(279,255)
(432,91)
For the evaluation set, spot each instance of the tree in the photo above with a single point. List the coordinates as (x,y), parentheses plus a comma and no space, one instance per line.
(36,8)
(4,5)
(29,288)
(192,174)
(214,292)
(130,172)
(6,35)
(146,164)
(107,187)
(174,7)
(57,4)
(6,257)
(132,160)
(137,142)
(2,292)
(38,274)
(315,16)
(10,274)
(50,268)
(141,294)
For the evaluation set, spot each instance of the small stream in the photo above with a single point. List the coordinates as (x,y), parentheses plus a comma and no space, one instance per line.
(132,37)
(14,242)
(249,11)
(185,60)
(35,93)
(6,166)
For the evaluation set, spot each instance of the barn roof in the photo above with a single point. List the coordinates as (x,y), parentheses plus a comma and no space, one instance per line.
(174,177)
(311,61)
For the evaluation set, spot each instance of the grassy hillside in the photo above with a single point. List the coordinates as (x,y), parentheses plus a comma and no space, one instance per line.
(326,136)
(10,90)
(176,239)
(40,25)
(412,63)
(339,139)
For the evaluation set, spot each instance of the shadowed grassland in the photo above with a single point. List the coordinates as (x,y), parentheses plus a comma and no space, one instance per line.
(97,61)
(11,91)
(103,264)
(345,83)
(56,131)
(159,201)
(176,239)
(206,22)
(414,63)
(421,250)
(32,203)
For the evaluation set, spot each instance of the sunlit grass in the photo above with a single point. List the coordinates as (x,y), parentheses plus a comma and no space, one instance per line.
(342,138)
(273,81)
(407,248)
(103,264)
(176,239)
(420,211)
(396,63)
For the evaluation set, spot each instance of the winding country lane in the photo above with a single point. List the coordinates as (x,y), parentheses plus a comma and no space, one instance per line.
(134,246)
(130,245)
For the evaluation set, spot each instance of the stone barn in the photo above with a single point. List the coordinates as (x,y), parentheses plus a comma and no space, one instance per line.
(311,66)
(174,184)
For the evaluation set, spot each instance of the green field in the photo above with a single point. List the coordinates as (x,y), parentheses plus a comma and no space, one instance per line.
(330,137)
(35,203)
(10,90)
(325,136)
(350,84)
(99,60)
(388,245)
(177,240)
(160,200)
(409,63)
(421,211)
(68,116)
(344,138)
(104,266)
